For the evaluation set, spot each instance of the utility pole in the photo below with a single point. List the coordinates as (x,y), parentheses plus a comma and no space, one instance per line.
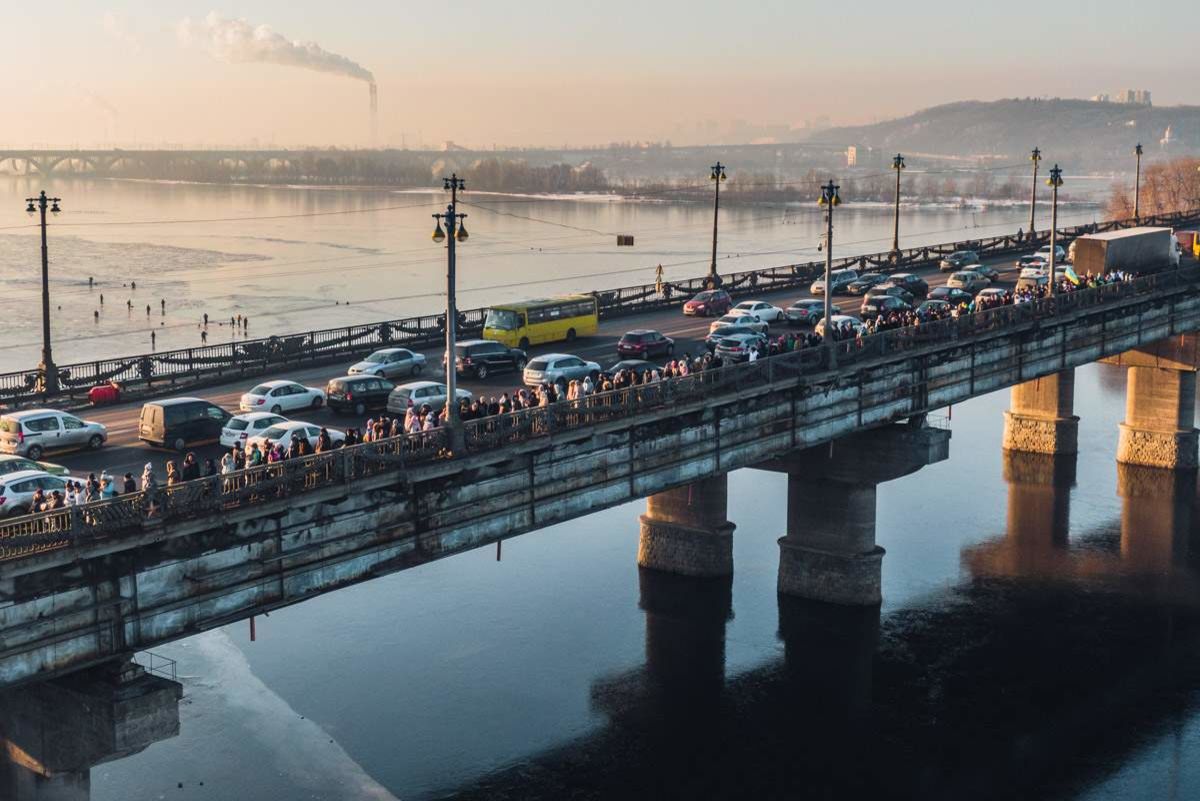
(898,166)
(1035,157)
(1055,181)
(717,177)
(1137,184)
(48,369)
(456,231)
(829,199)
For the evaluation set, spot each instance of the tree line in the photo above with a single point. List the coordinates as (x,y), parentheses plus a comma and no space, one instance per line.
(1166,186)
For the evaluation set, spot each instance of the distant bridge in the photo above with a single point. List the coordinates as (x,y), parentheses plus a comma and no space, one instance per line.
(103,162)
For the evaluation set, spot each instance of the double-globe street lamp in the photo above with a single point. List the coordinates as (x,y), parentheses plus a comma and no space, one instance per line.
(1137,184)
(898,166)
(1054,182)
(829,198)
(717,176)
(1036,158)
(455,232)
(47,368)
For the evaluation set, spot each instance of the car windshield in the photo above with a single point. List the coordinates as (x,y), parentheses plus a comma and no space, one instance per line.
(261,389)
(502,320)
(377,357)
(237,425)
(274,432)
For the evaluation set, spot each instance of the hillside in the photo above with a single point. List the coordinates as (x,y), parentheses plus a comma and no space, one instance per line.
(1080,132)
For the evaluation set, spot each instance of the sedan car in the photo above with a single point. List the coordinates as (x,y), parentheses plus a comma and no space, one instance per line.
(737,347)
(390,363)
(747,320)
(757,308)
(841,322)
(990,273)
(860,285)
(967,281)
(950,294)
(1034,260)
(11,464)
(711,340)
(17,490)
(957,260)
(805,312)
(241,427)
(840,280)
(422,393)
(1060,253)
(559,368)
(881,305)
(708,303)
(281,396)
(645,342)
(914,283)
(281,434)
(888,288)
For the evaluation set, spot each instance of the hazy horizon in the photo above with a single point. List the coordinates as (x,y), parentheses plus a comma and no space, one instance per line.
(112,73)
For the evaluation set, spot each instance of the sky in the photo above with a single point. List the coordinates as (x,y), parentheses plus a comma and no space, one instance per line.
(539,73)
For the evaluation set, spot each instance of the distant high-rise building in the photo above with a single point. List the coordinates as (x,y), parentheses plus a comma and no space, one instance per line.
(851,156)
(1167,140)
(1140,97)
(1101,98)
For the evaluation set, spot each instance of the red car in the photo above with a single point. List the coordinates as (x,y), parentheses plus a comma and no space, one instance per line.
(709,303)
(643,342)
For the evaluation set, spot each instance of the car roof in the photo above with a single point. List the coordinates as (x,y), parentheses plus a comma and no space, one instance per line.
(175,401)
(20,475)
(548,356)
(393,350)
(642,331)
(276,382)
(993,290)
(21,415)
(254,416)
(420,384)
(894,276)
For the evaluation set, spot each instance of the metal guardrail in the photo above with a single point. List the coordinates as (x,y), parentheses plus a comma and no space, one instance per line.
(157,373)
(212,495)
(157,664)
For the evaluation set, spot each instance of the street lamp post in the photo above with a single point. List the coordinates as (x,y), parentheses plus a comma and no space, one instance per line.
(1035,157)
(829,199)
(1137,184)
(455,232)
(717,177)
(48,369)
(1054,181)
(898,166)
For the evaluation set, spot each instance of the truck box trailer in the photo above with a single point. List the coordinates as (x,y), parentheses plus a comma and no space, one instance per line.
(1135,250)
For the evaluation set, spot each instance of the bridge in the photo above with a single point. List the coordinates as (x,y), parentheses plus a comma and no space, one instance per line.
(87,585)
(104,162)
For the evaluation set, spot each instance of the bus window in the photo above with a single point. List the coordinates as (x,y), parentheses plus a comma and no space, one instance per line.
(502,320)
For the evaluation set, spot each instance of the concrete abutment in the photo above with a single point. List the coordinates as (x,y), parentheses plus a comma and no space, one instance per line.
(1042,418)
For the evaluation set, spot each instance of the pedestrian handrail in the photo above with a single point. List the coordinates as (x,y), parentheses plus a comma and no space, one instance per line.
(216,494)
(156,373)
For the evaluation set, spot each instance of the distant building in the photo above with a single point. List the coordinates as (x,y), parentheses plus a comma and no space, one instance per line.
(1167,140)
(1135,97)
(851,156)
(1102,98)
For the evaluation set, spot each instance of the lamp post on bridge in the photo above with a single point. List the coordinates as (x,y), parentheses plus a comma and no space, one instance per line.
(1137,184)
(1035,157)
(829,199)
(48,369)
(1054,181)
(717,177)
(898,166)
(455,232)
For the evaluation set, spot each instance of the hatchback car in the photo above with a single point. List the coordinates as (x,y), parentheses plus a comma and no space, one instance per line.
(357,393)
(482,357)
(757,308)
(737,347)
(422,393)
(967,281)
(864,282)
(559,368)
(241,427)
(33,432)
(281,434)
(950,294)
(390,363)
(11,464)
(877,305)
(17,490)
(957,260)
(840,280)
(645,342)
(914,283)
(281,396)
(708,303)
(805,312)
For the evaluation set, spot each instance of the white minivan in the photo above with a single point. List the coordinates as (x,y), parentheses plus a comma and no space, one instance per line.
(34,431)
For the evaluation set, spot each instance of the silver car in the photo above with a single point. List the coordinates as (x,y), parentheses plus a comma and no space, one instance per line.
(840,280)
(559,368)
(421,393)
(390,363)
(35,431)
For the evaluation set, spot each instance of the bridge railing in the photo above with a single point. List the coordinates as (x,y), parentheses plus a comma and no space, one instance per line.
(160,373)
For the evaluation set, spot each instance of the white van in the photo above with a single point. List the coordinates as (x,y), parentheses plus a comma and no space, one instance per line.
(34,431)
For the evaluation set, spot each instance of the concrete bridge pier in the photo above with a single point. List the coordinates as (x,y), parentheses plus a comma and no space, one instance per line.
(1156,517)
(1160,404)
(829,552)
(1042,418)
(685,530)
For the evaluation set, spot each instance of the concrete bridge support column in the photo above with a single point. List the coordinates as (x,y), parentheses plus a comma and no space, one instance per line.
(685,530)
(1157,510)
(1042,418)
(1160,410)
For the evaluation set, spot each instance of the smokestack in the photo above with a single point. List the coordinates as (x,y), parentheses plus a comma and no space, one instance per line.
(374,114)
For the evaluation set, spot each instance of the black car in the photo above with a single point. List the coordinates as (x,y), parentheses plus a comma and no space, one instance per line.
(638,366)
(957,260)
(915,284)
(876,305)
(950,294)
(864,282)
(894,291)
(712,339)
(181,422)
(645,342)
(357,393)
(482,357)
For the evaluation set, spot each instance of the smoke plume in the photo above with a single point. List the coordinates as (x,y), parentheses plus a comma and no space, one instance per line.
(237,41)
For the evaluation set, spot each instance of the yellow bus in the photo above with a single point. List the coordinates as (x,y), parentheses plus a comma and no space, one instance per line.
(519,325)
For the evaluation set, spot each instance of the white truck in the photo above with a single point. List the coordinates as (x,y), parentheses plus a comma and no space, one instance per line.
(1132,250)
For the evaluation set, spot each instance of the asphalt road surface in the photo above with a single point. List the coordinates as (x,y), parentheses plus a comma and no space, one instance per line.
(124,452)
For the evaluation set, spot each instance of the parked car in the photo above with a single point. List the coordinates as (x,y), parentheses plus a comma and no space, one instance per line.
(10,463)
(839,321)
(757,308)
(17,490)
(559,368)
(482,357)
(180,422)
(390,363)
(281,396)
(281,434)
(1060,253)
(876,305)
(934,308)
(241,427)
(710,341)
(748,320)
(34,431)
(709,303)
(950,294)
(736,347)
(840,280)
(990,273)
(805,311)
(915,284)
(1034,260)
(957,260)
(860,285)
(895,291)
(638,366)
(645,342)
(422,393)
(357,394)
(967,281)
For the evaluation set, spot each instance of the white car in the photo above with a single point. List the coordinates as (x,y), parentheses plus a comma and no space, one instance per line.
(839,322)
(559,368)
(17,489)
(281,434)
(757,308)
(1059,251)
(281,396)
(241,427)
(390,363)
(747,320)
(32,432)
(422,393)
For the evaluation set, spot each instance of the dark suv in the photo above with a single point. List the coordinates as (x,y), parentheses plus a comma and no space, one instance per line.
(357,393)
(915,284)
(643,342)
(957,260)
(482,357)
